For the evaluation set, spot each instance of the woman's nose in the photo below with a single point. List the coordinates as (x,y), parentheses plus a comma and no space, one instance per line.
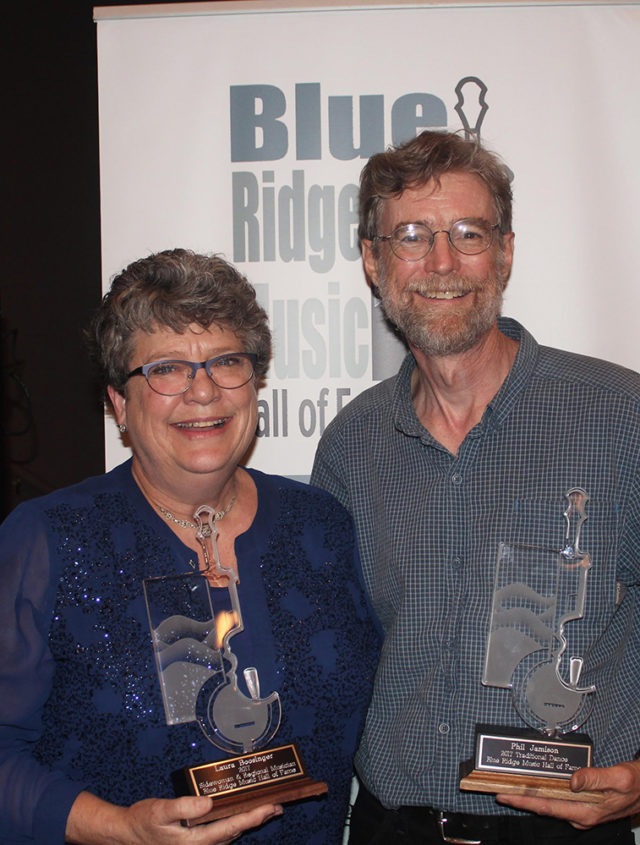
(203,388)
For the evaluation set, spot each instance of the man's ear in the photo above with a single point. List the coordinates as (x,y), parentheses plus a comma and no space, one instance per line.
(370,263)
(506,261)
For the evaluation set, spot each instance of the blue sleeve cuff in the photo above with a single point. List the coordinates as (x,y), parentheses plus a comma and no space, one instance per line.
(52,811)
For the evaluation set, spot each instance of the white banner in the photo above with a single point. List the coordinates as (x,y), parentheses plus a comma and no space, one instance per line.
(241,129)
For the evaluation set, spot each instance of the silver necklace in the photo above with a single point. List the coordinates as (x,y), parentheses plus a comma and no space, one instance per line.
(206,527)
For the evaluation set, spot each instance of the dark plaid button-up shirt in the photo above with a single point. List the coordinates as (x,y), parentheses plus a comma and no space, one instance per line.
(429,526)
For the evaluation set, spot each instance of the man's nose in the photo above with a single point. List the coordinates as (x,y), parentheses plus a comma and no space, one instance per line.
(443,257)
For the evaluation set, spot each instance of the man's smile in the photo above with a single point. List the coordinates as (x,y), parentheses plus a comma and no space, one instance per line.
(443,294)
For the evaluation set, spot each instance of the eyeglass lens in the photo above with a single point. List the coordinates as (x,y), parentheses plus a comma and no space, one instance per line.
(173,377)
(415,240)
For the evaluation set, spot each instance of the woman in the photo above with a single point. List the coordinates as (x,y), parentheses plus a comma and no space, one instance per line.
(87,738)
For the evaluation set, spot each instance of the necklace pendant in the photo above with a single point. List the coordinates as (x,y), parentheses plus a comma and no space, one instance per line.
(206,530)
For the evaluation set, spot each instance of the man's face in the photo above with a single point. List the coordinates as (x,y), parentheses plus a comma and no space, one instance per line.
(447,301)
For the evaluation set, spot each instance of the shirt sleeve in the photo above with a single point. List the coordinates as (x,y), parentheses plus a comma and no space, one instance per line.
(34,801)
(328,465)
(635,525)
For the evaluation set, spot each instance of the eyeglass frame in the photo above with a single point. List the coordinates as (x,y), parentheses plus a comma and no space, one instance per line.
(447,232)
(143,370)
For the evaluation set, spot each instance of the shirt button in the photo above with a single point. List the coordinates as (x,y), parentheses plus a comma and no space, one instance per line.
(456,563)
(456,478)
(444,728)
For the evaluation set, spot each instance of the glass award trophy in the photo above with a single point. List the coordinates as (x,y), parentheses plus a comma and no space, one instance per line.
(537,592)
(193,618)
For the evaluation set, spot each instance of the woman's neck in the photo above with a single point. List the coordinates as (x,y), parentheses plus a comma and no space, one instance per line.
(182,500)
(238,504)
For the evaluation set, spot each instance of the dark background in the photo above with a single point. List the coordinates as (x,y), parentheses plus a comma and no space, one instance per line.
(52,419)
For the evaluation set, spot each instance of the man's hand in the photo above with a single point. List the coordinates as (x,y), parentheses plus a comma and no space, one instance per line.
(156,821)
(620,785)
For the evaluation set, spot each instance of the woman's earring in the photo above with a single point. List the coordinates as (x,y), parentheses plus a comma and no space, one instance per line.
(122,428)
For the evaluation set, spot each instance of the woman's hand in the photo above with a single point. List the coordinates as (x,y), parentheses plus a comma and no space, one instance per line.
(156,821)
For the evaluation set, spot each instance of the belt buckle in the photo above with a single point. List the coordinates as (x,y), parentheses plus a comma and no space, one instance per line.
(453,840)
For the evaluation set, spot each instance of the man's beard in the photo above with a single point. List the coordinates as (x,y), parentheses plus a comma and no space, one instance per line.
(435,334)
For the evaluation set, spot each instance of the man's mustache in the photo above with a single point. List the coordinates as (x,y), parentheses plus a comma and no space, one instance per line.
(435,284)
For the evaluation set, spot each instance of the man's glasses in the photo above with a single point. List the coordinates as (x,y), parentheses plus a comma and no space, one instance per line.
(414,241)
(170,378)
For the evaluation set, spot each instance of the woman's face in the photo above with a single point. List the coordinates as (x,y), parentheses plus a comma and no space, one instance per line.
(205,430)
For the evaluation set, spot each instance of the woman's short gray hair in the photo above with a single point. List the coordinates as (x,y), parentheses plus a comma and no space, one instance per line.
(175,289)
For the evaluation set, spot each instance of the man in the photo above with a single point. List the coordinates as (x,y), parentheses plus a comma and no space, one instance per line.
(476,443)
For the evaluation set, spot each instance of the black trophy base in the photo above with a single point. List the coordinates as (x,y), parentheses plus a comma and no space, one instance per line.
(527,763)
(237,784)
